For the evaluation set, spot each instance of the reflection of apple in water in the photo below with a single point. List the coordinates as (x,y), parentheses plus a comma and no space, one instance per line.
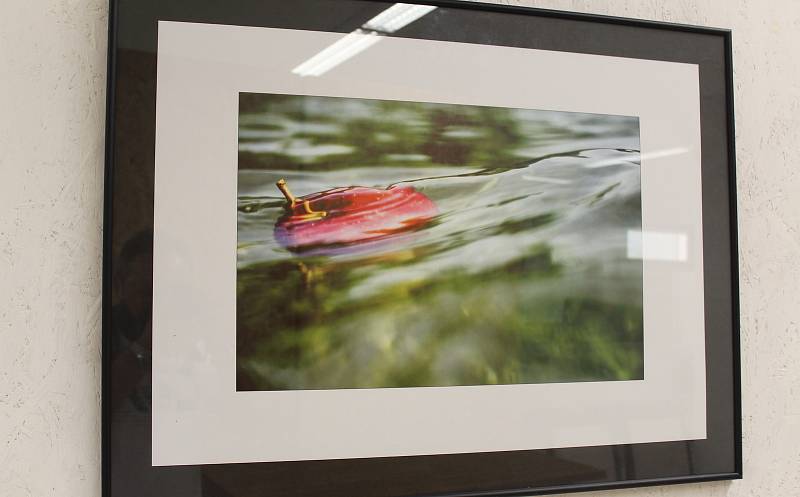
(346,216)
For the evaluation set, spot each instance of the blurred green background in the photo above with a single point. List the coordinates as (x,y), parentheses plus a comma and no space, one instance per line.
(523,277)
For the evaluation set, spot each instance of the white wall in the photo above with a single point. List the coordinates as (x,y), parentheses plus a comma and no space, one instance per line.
(52,107)
(52,93)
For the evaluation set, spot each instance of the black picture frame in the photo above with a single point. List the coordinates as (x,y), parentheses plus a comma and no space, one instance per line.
(128,223)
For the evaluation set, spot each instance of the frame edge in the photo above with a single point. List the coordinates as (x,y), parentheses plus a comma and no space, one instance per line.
(107,269)
(734,234)
(108,190)
(570,15)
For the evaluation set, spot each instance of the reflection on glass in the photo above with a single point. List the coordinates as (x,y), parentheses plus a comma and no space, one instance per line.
(656,246)
(390,20)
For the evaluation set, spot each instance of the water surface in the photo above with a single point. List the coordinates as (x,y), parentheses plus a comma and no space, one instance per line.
(522,277)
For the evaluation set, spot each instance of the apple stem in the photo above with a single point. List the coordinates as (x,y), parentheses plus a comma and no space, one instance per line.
(281,184)
(310,213)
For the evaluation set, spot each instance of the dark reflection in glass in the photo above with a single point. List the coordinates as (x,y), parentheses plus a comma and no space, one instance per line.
(132,336)
(127,332)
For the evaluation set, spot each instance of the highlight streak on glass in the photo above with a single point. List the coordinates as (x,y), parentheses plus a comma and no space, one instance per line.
(658,154)
(542,179)
(390,20)
(346,47)
(396,17)
(658,246)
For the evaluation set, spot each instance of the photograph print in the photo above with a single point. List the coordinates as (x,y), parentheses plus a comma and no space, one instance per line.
(385,243)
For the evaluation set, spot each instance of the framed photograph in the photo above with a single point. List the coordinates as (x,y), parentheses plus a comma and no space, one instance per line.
(363,248)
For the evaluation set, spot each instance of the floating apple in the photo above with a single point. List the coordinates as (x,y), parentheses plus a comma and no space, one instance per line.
(347,216)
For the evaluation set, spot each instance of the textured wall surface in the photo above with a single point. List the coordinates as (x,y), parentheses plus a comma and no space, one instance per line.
(52,111)
(52,90)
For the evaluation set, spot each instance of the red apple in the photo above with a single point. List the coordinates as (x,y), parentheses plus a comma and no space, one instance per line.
(347,216)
